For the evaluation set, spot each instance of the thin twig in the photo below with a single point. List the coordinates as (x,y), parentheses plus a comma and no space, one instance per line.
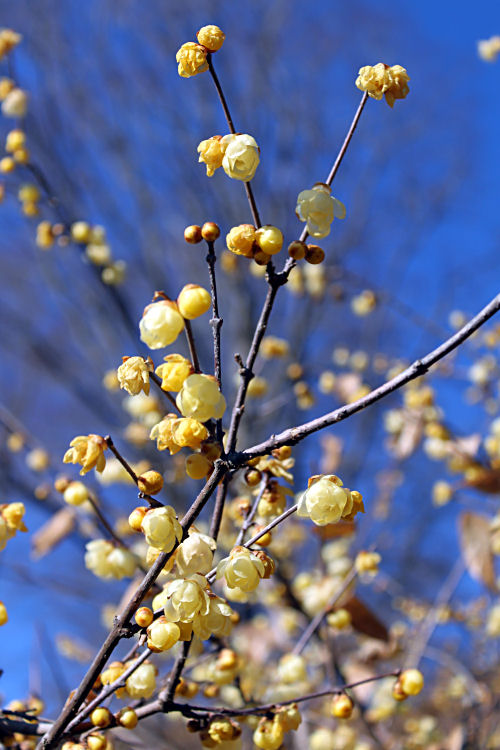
(220,501)
(230,124)
(253,510)
(294,435)
(216,320)
(192,346)
(157,381)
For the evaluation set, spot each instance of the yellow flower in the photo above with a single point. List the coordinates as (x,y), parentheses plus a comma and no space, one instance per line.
(193,301)
(318,208)
(75,493)
(211,153)
(107,561)
(241,569)
(13,514)
(161,528)
(8,40)
(269,239)
(211,37)
(6,532)
(162,433)
(15,104)
(381,79)
(488,49)
(195,554)
(216,622)
(292,668)
(367,562)
(162,634)
(327,501)
(4,617)
(411,681)
(174,372)
(186,599)
(272,346)
(288,717)
(160,324)
(133,375)
(200,398)
(241,157)
(192,59)
(240,240)
(44,235)
(142,682)
(188,433)
(88,451)
(268,735)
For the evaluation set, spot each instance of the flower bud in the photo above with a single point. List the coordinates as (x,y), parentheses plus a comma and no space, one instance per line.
(297,249)
(193,301)
(136,518)
(101,717)
(367,562)
(269,239)
(151,482)
(4,617)
(342,706)
(198,466)
(315,254)
(412,681)
(292,668)
(96,741)
(144,617)
(127,718)
(339,619)
(211,37)
(161,324)
(162,634)
(15,104)
(210,231)
(192,234)
(269,735)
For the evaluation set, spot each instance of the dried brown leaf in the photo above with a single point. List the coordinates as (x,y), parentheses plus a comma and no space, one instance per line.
(57,528)
(364,621)
(474,532)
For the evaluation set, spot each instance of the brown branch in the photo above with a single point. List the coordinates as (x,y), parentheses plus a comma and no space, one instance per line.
(157,381)
(192,346)
(120,628)
(294,435)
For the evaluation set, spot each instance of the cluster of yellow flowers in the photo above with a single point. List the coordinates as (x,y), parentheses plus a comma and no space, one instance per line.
(162,321)
(11,520)
(259,244)
(17,153)
(270,733)
(326,501)
(236,153)
(384,80)
(192,57)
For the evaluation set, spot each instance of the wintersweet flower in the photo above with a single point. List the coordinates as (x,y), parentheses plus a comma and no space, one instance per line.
(8,40)
(186,599)
(211,37)
(162,433)
(13,514)
(195,554)
(162,634)
(160,324)
(241,157)
(211,152)
(327,501)
(133,375)
(188,433)
(191,59)
(318,208)
(381,79)
(241,239)
(161,528)
(242,569)
(15,104)
(142,682)
(269,735)
(200,398)
(489,49)
(174,372)
(216,622)
(87,450)
(107,561)
(6,533)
